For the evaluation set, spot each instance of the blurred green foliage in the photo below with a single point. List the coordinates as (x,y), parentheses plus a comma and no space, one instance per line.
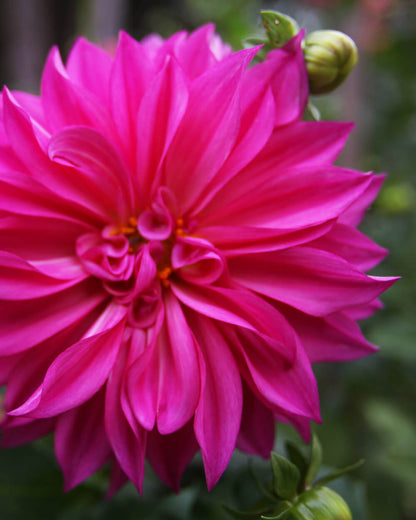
(368,406)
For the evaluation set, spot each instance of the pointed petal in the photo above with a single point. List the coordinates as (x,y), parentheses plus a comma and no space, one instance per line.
(281,385)
(218,415)
(179,379)
(256,436)
(25,324)
(311,280)
(282,198)
(81,370)
(353,215)
(97,169)
(81,445)
(170,454)
(130,77)
(239,240)
(161,111)
(18,430)
(213,113)
(90,66)
(351,245)
(333,338)
(194,53)
(128,445)
(241,308)
(68,103)
(21,281)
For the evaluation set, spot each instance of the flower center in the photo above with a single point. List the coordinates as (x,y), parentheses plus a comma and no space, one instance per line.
(136,260)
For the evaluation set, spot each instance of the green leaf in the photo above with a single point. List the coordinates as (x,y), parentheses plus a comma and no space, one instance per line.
(298,458)
(315,461)
(286,477)
(280,28)
(339,473)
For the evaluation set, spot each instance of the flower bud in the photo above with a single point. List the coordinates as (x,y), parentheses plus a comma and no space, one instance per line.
(320,503)
(330,56)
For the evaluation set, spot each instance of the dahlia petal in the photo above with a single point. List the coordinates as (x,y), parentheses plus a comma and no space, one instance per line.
(81,370)
(170,454)
(117,479)
(302,424)
(161,111)
(218,414)
(361,312)
(282,385)
(179,382)
(255,129)
(128,445)
(332,338)
(241,308)
(90,66)
(190,164)
(81,445)
(81,107)
(275,198)
(28,375)
(24,195)
(20,280)
(19,430)
(32,105)
(351,245)
(256,436)
(303,143)
(195,261)
(24,324)
(311,280)
(98,168)
(130,77)
(142,378)
(55,177)
(353,215)
(285,71)
(194,54)
(238,240)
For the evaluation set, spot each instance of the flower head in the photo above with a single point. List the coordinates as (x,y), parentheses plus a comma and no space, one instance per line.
(176,250)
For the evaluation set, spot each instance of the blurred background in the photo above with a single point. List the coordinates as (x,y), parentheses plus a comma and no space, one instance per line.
(368,406)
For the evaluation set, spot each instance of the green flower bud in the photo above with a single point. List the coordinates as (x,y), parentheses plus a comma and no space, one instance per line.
(321,503)
(330,56)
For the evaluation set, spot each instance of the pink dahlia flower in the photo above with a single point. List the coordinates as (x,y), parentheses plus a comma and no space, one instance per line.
(176,250)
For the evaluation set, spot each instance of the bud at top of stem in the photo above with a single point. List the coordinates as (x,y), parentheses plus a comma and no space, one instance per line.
(330,56)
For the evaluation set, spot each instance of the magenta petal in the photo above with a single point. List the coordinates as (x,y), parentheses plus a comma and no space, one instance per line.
(282,385)
(68,103)
(21,281)
(240,240)
(281,198)
(311,280)
(130,77)
(351,245)
(18,430)
(194,54)
(161,111)
(81,444)
(179,379)
(333,338)
(256,436)
(218,415)
(213,114)
(243,309)
(81,370)
(353,215)
(128,445)
(97,169)
(90,66)
(25,324)
(170,454)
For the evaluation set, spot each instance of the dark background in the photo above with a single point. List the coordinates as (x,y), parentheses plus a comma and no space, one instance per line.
(368,406)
